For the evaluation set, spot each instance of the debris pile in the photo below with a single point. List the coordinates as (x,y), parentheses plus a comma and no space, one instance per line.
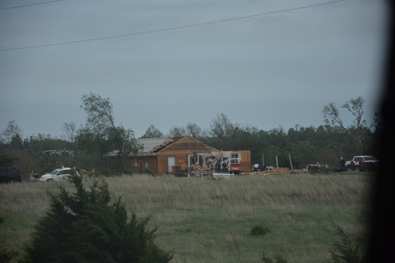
(278,171)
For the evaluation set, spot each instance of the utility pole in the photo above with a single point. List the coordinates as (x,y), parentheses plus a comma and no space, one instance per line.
(263,159)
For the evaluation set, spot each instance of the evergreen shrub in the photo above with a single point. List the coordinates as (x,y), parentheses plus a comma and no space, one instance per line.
(347,249)
(259,230)
(146,170)
(85,227)
(277,258)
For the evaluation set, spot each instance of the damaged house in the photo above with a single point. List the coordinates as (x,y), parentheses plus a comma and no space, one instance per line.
(180,155)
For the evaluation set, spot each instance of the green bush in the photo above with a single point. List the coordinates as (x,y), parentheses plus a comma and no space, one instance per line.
(146,170)
(259,230)
(112,170)
(346,250)
(7,255)
(108,171)
(83,227)
(273,259)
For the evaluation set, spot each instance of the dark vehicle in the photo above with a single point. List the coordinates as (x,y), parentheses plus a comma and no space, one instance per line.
(10,175)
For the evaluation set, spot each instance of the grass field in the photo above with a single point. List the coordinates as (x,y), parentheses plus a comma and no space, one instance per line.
(202,220)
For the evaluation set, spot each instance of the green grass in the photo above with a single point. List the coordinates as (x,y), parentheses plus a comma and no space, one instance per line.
(200,219)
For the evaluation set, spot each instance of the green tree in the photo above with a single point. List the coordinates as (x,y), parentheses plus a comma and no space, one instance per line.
(346,250)
(69,133)
(30,150)
(221,131)
(7,255)
(152,132)
(278,145)
(177,131)
(359,130)
(12,136)
(85,227)
(36,157)
(193,130)
(7,160)
(101,135)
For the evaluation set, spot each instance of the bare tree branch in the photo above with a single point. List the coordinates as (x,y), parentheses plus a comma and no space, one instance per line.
(358,130)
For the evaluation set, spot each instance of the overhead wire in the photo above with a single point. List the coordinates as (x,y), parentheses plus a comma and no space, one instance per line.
(170,28)
(19,6)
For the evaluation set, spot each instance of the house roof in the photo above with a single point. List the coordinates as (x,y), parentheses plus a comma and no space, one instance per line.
(150,143)
(151,146)
(154,145)
(192,144)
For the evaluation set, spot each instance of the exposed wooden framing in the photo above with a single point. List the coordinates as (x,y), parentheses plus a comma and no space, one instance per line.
(290,162)
(277,161)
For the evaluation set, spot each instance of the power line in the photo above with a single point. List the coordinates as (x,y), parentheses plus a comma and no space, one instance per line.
(42,3)
(170,28)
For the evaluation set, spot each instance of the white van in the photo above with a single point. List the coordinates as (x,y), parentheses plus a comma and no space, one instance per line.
(59,174)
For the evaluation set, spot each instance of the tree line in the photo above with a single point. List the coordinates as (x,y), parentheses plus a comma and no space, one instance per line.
(85,147)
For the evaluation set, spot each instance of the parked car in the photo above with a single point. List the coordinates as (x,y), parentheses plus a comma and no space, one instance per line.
(10,174)
(59,174)
(258,168)
(317,167)
(363,163)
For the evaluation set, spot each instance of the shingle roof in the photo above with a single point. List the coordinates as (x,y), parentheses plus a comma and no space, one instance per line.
(150,143)
(153,145)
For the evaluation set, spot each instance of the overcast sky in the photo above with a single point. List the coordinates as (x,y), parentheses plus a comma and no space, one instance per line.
(279,68)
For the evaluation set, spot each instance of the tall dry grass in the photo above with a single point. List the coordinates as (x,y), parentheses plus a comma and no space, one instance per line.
(197,218)
(270,191)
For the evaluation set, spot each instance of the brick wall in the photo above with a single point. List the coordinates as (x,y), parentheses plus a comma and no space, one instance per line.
(152,163)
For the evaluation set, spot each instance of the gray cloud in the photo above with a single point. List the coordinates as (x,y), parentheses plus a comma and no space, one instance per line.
(278,69)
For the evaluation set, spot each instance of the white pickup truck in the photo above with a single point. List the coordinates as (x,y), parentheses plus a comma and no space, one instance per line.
(362,163)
